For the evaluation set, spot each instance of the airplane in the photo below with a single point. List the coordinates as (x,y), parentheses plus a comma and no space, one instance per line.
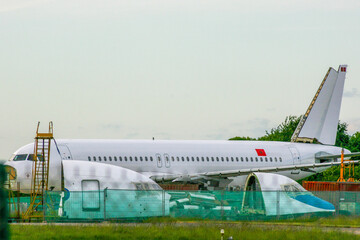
(212,164)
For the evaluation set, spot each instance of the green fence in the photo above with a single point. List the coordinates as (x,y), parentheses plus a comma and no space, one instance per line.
(3,206)
(130,205)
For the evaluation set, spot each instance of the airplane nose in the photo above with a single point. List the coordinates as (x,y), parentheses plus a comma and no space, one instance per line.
(10,171)
(11,175)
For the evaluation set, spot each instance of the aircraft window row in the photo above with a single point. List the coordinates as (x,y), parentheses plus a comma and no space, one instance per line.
(226,159)
(187,159)
(120,159)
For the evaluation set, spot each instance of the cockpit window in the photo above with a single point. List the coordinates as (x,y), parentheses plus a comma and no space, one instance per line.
(31,157)
(20,157)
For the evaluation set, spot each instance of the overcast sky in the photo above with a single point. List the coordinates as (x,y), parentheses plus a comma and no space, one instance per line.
(169,69)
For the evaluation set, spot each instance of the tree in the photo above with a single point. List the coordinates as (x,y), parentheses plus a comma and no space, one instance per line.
(284,131)
(342,137)
(242,138)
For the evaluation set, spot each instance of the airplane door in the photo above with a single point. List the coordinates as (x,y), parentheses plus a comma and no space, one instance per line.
(295,155)
(159,161)
(90,195)
(167,160)
(65,152)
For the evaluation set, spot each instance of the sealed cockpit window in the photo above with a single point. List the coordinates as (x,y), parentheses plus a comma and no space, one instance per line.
(20,157)
(138,186)
(31,157)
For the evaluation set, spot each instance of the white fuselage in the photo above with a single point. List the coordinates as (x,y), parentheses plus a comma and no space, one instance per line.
(164,157)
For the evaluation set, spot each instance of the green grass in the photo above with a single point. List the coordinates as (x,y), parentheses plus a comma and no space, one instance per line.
(180,231)
(337,221)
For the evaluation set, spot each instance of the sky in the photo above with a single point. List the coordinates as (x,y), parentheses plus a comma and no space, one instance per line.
(189,69)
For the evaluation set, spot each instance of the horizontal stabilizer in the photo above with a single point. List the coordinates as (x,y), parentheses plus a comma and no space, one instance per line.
(242,172)
(355,154)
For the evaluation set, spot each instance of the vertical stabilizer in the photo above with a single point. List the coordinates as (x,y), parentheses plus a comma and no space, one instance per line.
(321,118)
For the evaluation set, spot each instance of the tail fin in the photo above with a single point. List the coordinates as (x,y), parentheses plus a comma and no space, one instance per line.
(321,118)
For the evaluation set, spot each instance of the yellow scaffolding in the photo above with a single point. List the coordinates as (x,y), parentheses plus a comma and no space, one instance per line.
(40,173)
(351,167)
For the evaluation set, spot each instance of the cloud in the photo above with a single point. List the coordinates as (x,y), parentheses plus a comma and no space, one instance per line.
(111,126)
(353,125)
(7,6)
(81,7)
(254,128)
(351,94)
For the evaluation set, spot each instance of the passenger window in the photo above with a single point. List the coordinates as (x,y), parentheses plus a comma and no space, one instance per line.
(237,159)
(99,158)
(188,159)
(110,159)
(197,159)
(227,159)
(125,158)
(207,159)
(178,159)
(89,158)
(261,159)
(251,159)
(94,158)
(151,159)
(275,159)
(192,159)
(242,159)
(270,159)
(130,158)
(280,159)
(202,159)
(120,159)
(183,159)
(232,159)
(256,159)
(222,159)
(247,159)
(146,159)
(115,158)
(212,159)
(135,159)
(104,158)
(266,159)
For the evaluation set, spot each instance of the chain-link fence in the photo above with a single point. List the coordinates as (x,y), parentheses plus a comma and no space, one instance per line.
(3,205)
(131,205)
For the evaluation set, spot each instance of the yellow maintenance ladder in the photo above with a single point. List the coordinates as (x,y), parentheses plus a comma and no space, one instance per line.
(40,173)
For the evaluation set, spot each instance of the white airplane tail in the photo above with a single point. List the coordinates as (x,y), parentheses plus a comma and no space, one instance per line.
(321,118)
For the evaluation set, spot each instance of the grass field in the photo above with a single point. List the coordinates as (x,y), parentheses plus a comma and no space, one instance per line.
(191,230)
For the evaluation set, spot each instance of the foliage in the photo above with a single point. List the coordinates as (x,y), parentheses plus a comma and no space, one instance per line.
(342,137)
(242,138)
(283,132)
